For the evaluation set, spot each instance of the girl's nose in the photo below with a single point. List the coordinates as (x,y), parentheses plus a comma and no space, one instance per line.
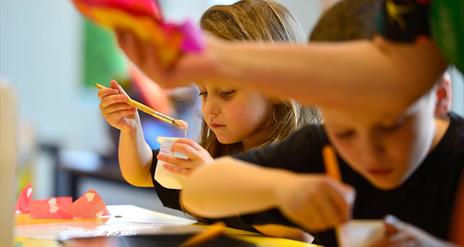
(210,107)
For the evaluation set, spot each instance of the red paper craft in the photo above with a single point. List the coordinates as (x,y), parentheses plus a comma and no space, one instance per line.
(89,205)
(22,205)
(53,208)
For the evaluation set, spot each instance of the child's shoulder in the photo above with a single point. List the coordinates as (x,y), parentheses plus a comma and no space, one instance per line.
(450,148)
(455,130)
(449,151)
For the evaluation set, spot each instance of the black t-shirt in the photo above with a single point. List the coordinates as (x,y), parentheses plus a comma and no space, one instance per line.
(425,200)
(168,197)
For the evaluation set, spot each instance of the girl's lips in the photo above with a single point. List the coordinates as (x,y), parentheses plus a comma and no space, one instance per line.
(215,125)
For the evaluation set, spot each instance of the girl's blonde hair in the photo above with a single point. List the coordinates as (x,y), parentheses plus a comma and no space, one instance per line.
(257,20)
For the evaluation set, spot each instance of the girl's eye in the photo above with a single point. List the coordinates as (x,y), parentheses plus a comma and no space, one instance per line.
(203,94)
(228,93)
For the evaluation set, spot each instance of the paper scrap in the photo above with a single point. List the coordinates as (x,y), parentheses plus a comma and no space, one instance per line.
(89,205)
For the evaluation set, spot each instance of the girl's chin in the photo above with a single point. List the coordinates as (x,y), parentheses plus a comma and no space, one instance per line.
(223,140)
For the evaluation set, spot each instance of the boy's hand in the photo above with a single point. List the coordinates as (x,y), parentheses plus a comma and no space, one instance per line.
(315,202)
(401,234)
(115,109)
(197,156)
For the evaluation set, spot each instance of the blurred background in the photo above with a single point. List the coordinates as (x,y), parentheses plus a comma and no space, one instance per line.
(52,58)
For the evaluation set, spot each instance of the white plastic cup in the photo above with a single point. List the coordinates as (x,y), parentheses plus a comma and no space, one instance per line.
(360,233)
(166,178)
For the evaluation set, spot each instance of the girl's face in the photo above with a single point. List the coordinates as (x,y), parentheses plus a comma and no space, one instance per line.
(234,115)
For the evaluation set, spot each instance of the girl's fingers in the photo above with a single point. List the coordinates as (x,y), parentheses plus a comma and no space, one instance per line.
(187,164)
(112,109)
(113,99)
(116,116)
(191,143)
(185,149)
(115,85)
(102,93)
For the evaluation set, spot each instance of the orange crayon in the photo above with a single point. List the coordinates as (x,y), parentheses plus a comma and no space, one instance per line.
(330,163)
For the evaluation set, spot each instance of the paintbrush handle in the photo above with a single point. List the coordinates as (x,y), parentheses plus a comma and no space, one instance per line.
(145,108)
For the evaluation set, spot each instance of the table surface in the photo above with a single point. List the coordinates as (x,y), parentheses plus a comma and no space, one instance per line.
(124,220)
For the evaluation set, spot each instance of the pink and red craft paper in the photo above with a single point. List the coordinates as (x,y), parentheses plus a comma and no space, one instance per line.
(89,205)
(144,18)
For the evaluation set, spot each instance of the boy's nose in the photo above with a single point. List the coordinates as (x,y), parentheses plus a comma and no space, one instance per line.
(373,145)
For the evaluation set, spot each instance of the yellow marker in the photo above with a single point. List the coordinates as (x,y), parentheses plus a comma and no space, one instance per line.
(178,123)
(213,231)
(330,163)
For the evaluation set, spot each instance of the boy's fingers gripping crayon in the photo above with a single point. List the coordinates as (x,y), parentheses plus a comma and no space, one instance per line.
(143,17)
(331,164)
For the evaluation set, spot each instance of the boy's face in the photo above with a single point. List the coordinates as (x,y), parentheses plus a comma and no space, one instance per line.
(385,150)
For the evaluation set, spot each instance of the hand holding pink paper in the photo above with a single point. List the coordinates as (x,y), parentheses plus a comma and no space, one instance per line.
(144,18)
(89,205)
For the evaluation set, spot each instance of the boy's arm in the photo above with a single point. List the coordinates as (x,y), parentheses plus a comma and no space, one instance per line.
(336,75)
(342,76)
(135,158)
(231,187)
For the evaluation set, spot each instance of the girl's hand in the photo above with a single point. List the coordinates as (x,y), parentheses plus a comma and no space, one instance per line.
(315,202)
(401,234)
(115,109)
(197,156)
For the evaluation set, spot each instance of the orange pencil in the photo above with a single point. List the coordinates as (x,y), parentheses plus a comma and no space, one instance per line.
(330,163)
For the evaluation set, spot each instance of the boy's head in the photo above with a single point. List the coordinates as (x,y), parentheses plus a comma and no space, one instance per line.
(348,20)
(385,149)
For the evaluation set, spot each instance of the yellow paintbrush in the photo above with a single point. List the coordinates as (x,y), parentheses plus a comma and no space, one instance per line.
(178,123)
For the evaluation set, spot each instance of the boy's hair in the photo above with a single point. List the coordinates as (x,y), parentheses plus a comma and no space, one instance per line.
(257,20)
(348,20)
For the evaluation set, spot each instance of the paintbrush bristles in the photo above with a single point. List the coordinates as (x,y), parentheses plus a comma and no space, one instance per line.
(180,124)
